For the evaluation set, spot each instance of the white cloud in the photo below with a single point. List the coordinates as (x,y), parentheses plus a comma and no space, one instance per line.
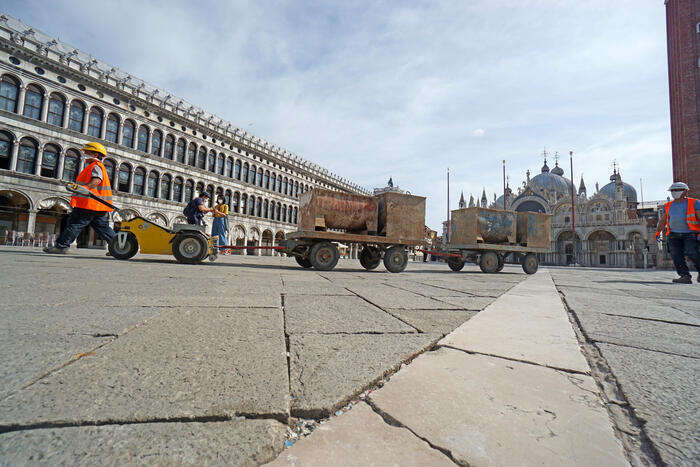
(479,132)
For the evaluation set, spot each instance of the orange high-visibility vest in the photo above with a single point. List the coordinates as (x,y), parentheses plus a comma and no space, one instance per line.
(690,218)
(103,190)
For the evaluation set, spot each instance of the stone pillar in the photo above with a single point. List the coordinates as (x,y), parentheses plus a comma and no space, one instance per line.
(31,221)
(149,143)
(61,163)
(131,181)
(44,107)
(20,99)
(120,131)
(86,117)
(39,158)
(103,129)
(15,153)
(66,112)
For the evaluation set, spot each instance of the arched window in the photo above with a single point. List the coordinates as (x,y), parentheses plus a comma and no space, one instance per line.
(112,130)
(9,90)
(296,212)
(189,190)
(279,211)
(202,158)
(211,161)
(227,198)
(296,189)
(165,186)
(128,134)
(153,184)
(289,214)
(71,162)
(251,206)
(26,160)
(220,164)
(285,185)
(156,142)
(267,180)
(237,170)
(109,166)
(236,201)
(252,173)
(57,107)
(219,192)
(177,190)
(169,147)
(245,172)
(284,213)
(272,210)
(192,155)
(6,146)
(95,122)
(76,116)
(266,205)
(279,184)
(274,180)
(33,98)
(244,203)
(258,207)
(142,143)
(139,180)
(200,188)
(229,167)
(49,161)
(260,177)
(181,151)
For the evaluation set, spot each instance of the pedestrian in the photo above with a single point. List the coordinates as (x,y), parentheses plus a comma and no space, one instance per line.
(220,225)
(87,211)
(680,222)
(197,208)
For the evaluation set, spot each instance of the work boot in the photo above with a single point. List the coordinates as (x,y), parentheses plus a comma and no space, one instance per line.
(683,280)
(55,250)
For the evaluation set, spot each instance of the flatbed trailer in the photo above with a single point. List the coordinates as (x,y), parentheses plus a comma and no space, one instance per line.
(491,257)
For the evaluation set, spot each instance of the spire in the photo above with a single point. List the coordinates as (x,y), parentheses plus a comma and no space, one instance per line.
(471,201)
(581,187)
(557,170)
(483,198)
(545,167)
(462,203)
(390,183)
(527,176)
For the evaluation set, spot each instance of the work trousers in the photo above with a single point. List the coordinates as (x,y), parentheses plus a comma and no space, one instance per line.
(80,218)
(682,245)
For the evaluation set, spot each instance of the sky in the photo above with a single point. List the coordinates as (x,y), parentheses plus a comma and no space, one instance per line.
(405,89)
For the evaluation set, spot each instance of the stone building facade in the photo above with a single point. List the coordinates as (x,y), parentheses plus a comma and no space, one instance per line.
(683,41)
(162,150)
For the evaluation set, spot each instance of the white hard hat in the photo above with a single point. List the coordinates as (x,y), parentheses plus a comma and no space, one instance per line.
(677,186)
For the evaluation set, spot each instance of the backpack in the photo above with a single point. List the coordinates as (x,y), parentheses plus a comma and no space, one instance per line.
(191,209)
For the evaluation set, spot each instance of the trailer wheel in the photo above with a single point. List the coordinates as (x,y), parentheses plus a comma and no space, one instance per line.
(395,258)
(189,248)
(456,264)
(489,262)
(303,262)
(324,256)
(530,263)
(123,245)
(370,258)
(501,263)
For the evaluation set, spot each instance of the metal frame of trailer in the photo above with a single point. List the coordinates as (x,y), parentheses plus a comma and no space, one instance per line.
(487,256)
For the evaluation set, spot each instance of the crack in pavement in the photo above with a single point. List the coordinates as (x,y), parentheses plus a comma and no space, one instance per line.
(385,311)
(658,320)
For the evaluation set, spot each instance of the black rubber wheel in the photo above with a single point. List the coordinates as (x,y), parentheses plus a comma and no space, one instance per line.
(456,264)
(324,256)
(123,245)
(530,263)
(395,258)
(190,248)
(370,258)
(501,263)
(303,262)
(489,262)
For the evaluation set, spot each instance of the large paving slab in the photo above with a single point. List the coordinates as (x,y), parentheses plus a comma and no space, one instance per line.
(664,391)
(334,314)
(235,442)
(188,363)
(434,321)
(491,411)
(326,371)
(677,339)
(528,323)
(361,437)
(386,297)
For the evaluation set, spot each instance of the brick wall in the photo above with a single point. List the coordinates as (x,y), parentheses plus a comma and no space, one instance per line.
(682,17)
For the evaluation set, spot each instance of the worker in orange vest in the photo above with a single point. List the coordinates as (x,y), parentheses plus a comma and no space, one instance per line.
(87,211)
(681,225)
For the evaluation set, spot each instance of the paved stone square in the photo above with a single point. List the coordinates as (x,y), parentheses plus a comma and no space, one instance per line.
(149,348)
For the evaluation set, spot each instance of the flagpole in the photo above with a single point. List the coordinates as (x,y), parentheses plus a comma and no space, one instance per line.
(447,240)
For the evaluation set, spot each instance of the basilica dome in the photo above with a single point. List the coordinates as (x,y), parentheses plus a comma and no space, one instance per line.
(552,182)
(609,189)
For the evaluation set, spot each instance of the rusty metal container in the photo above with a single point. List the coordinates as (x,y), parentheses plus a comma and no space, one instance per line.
(534,229)
(322,209)
(401,217)
(481,225)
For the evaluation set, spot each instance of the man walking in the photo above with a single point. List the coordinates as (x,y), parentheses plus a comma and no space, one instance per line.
(87,211)
(682,228)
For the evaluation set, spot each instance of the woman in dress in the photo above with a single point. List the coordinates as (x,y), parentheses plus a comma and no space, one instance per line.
(220,225)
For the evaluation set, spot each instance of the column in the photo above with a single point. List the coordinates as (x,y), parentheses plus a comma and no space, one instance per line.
(20,99)
(66,112)
(59,168)
(150,143)
(86,117)
(44,107)
(31,221)
(15,153)
(258,252)
(131,180)
(103,130)
(120,131)
(39,158)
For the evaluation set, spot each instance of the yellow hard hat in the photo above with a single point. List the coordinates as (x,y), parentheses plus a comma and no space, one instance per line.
(95,147)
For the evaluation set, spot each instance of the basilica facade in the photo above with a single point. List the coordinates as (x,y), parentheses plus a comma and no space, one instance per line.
(605,229)
(162,150)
